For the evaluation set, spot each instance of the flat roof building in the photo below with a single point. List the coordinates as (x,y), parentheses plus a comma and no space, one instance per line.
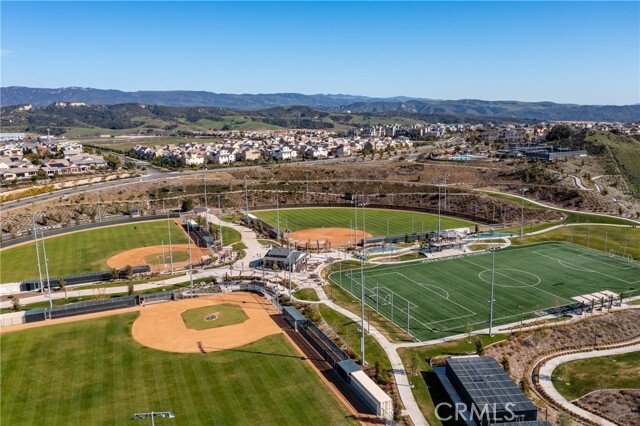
(482,393)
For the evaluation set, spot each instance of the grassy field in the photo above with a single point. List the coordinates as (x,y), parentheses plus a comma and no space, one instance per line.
(85,251)
(592,237)
(227,314)
(445,297)
(101,377)
(230,235)
(577,378)
(348,331)
(307,294)
(376,220)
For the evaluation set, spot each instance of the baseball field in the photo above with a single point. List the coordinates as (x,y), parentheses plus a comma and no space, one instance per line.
(377,222)
(94,372)
(440,298)
(85,251)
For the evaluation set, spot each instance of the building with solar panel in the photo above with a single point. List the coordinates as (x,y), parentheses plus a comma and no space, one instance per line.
(481,393)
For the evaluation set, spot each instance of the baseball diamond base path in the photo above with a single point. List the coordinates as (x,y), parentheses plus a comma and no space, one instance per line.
(340,236)
(161,327)
(136,257)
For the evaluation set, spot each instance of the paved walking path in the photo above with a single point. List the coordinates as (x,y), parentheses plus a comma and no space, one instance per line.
(547,370)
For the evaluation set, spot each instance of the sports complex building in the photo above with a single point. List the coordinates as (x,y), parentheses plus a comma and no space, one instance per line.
(481,393)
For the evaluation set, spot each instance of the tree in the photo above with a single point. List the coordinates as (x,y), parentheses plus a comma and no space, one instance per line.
(479,346)
(128,271)
(130,289)
(468,328)
(187,205)
(15,303)
(63,286)
(524,386)
(559,132)
(504,362)
(114,274)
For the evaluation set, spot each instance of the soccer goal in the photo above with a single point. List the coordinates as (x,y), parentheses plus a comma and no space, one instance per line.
(624,256)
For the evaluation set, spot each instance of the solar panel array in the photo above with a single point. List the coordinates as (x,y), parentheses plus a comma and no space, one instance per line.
(487,383)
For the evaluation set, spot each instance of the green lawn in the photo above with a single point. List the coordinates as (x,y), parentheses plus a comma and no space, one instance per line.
(593,237)
(230,235)
(400,222)
(307,294)
(441,298)
(421,375)
(226,314)
(577,378)
(85,251)
(348,331)
(93,372)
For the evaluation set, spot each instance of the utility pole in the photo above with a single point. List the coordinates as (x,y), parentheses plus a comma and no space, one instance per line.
(278,213)
(35,236)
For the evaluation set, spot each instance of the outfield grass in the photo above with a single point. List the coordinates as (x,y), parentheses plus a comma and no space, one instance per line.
(592,237)
(400,222)
(442,298)
(93,372)
(577,378)
(86,251)
(227,314)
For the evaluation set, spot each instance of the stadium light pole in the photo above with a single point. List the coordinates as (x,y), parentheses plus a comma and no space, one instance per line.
(169,230)
(605,243)
(445,192)
(306,172)
(220,223)
(206,206)
(35,236)
(493,270)
(246,197)
(190,261)
(362,284)
(46,269)
(522,190)
(438,236)
(278,213)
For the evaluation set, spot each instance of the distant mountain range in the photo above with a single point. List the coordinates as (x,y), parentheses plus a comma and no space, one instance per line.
(336,103)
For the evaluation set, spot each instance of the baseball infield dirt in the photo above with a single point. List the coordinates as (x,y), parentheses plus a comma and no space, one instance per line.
(137,256)
(336,236)
(161,327)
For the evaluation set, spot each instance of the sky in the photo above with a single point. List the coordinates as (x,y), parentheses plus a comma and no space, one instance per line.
(569,52)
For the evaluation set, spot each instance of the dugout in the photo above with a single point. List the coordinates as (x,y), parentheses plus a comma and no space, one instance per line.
(293,317)
(371,394)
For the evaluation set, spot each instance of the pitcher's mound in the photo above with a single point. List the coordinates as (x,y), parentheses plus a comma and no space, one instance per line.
(340,236)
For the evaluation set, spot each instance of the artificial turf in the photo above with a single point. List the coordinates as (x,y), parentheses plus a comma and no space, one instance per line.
(86,251)
(375,220)
(447,297)
(93,373)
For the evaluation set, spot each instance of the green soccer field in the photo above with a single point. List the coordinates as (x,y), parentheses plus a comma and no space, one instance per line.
(93,373)
(86,251)
(377,221)
(440,298)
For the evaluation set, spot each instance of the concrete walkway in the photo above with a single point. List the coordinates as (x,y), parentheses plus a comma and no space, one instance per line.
(547,370)
(400,375)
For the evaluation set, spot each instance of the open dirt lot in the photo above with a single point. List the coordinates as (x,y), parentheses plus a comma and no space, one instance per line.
(339,236)
(161,327)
